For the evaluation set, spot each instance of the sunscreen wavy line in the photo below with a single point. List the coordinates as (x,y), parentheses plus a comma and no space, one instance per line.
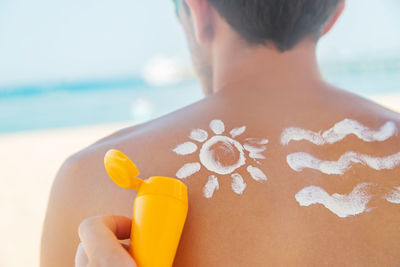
(300,161)
(343,206)
(340,131)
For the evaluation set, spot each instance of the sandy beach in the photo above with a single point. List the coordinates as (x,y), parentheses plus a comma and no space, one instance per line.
(29,162)
(391,101)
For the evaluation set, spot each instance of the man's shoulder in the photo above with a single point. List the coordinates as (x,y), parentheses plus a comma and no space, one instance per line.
(140,142)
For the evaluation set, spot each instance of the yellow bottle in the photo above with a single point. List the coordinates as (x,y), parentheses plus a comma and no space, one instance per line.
(159,212)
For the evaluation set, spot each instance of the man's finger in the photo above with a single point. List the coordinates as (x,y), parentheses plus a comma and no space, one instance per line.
(81,260)
(99,236)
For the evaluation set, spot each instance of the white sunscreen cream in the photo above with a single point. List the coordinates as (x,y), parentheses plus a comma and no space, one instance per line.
(256,173)
(300,161)
(198,135)
(238,131)
(186,148)
(211,186)
(217,126)
(340,131)
(394,196)
(238,184)
(213,151)
(188,170)
(342,205)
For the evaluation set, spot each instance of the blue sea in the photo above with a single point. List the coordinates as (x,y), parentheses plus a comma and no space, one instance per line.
(89,103)
(75,104)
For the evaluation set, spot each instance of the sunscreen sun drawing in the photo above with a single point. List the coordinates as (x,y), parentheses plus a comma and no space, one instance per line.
(222,154)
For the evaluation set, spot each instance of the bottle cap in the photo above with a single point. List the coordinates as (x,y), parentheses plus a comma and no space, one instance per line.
(122,170)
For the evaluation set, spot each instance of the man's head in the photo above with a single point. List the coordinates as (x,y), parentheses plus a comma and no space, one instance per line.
(276,24)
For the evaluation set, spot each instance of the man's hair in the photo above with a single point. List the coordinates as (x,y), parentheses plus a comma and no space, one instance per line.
(283,22)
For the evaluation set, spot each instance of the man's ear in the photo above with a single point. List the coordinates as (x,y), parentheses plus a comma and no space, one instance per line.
(334,18)
(202,14)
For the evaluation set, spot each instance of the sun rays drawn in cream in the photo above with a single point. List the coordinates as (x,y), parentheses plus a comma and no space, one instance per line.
(213,152)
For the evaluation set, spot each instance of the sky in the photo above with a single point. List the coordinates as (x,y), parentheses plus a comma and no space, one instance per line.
(367,28)
(46,41)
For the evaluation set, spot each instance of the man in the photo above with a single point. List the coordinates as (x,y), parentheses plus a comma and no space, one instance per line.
(272,181)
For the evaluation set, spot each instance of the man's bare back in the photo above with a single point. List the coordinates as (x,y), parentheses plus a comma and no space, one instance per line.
(264,225)
(253,199)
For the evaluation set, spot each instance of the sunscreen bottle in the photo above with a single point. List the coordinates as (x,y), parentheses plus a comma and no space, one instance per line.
(159,211)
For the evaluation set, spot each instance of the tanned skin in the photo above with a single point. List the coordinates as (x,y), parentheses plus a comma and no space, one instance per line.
(267,91)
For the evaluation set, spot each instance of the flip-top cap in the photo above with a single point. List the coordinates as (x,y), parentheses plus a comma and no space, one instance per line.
(122,170)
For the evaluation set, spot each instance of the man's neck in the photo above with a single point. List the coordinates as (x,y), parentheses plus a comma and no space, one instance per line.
(243,67)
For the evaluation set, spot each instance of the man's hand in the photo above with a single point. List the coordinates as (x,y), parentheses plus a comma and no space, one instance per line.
(100,245)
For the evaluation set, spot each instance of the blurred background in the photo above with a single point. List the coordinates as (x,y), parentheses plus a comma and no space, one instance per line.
(74,71)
